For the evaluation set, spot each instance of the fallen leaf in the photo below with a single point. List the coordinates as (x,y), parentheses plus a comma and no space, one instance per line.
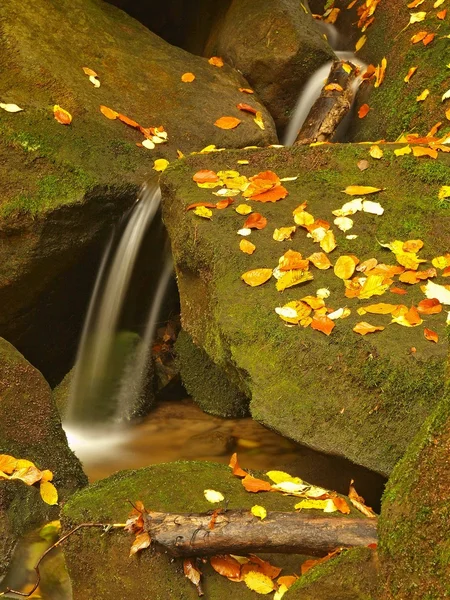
(61,115)
(213,496)
(400,291)
(430,335)
(380,73)
(274,194)
(259,120)
(343,223)
(444,192)
(224,203)
(376,152)
(147,144)
(333,87)
(292,260)
(216,61)
(419,37)
(294,277)
(246,108)
(410,73)
(363,110)
(202,211)
(243,209)
(258,582)
(328,242)
(359,502)
(237,471)
(227,566)
(323,324)
(421,97)
(360,43)
(442,14)
(205,176)
(247,247)
(141,542)
(364,328)
(192,573)
(417,17)
(255,221)
(187,77)
(362,164)
(428,39)
(246,90)
(29,474)
(196,204)
(48,493)
(261,566)
(412,245)
(436,291)
(283,233)
(344,267)
(11,108)
(403,151)
(227,122)
(256,277)
(282,476)
(160,164)
(373,286)
(259,511)
(7,463)
(252,484)
(361,190)
(341,505)
(294,312)
(327,506)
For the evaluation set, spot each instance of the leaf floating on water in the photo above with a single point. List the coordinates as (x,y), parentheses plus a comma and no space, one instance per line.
(227,566)
(256,277)
(227,122)
(363,328)
(192,573)
(61,115)
(11,108)
(187,77)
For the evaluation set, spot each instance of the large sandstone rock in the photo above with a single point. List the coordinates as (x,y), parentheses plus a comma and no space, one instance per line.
(364,398)
(30,428)
(172,487)
(81,178)
(276,46)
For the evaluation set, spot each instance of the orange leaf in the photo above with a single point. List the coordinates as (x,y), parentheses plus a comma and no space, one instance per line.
(237,471)
(108,112)
(227,122)
(363,110)
(255,221)
(418,37)
(364,328)
(263,566)
(323,324)
(380,309)
(428,39)
(61,115)
(216,61)
(266,175)
(400,291)
(227,566)
(89,72)
(333,87)
(246,90)
(292,260)
(205,176)
(421,151)
(128,121)
(246,107)
(410,73)
(413,277)
(142,541)
(247,247)
(320,260)
(412,316)
(442,14)
(224,203)
(251,484)
(344,267)
(187,77)
(256,277)
(287,580)
(412,246)
(431,335)
(273,195)
(341,505)
(429,306)
(207,204)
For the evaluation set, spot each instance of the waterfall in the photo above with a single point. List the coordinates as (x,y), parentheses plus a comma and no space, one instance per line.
(103,351)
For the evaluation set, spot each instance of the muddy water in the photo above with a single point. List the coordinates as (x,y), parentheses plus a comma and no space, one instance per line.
(179,430)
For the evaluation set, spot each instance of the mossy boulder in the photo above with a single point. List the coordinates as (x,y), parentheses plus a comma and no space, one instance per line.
(364,398)
(415,518)
(80,178)
(276,46)
(207,382)
(30,428)
(99,565)
(394,108)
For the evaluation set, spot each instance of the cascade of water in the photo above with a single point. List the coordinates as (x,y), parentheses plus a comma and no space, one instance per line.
(90,391)
(313,88)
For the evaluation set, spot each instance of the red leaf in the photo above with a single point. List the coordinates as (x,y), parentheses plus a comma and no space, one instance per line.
(363,110)
(431,335)
(323,324)
(429,306)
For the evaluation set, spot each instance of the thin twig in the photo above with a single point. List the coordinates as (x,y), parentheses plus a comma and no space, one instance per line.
(55,545)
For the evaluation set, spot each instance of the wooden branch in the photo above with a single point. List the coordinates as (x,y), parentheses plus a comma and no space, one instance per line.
(239,532)
(330,107)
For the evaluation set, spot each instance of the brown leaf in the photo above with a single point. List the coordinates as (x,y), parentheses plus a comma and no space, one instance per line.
(227,122)
(358,502)
(251,484)
(193,573)
(141,541)
(227,566)
(264,566)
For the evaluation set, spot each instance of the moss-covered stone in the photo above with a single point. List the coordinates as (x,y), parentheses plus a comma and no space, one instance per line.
(30,428)
(363,398)
(415,518)
(98,564)
(83,177)
(212,389)
(276,45)
(353,575)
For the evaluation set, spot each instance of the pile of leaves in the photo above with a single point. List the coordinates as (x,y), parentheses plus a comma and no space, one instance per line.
(20,469)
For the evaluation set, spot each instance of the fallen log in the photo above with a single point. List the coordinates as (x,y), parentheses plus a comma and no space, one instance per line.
(331,106)
(239,532)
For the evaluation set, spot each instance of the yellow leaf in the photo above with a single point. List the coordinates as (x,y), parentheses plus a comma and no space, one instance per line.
(294,312)
(303,218)
(344,267)
(259,511)
(373,286)
(328,242)
(7,463)
(421,97)
(243,209)
(440,262)
(360,43)
(247,247)
(410,73)
(27,474)
(409,260)
(160,164)
(202,211)
(402,151)
(280,592)
(256,277)
(361,190)
(46,475)
(259,120)
(380,309)
(259,583)
(283,233)
(417,17)
(49,493)
(280,476)
(325,505)
(444,192)
(292,278)
(213,496)
(363,328)
(376,152)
